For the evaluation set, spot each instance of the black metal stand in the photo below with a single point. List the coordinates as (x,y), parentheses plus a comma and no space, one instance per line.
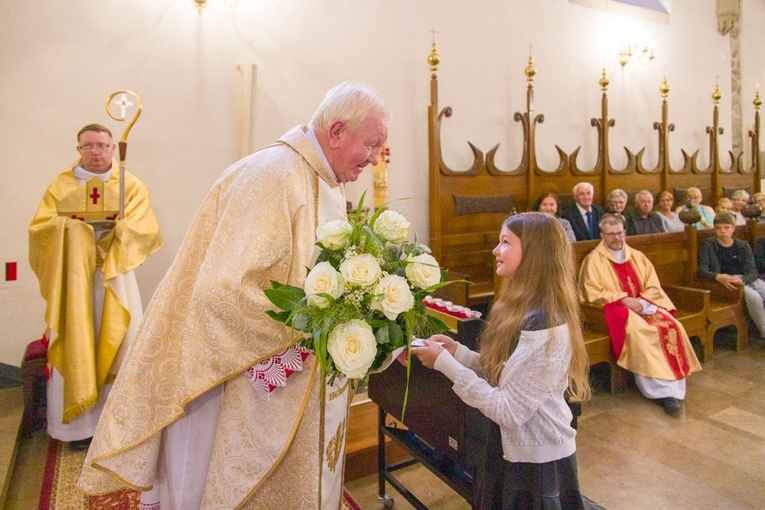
(443,467)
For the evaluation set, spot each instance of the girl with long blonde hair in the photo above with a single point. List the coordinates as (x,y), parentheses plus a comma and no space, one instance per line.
(531,357)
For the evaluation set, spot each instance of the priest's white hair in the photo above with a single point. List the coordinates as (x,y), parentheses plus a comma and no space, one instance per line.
(349,102)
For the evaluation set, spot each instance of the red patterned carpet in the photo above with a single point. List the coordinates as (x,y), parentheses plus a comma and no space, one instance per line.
(59,491)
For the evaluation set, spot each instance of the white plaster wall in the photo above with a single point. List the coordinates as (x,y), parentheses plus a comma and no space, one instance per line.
(60,60)
(753,68)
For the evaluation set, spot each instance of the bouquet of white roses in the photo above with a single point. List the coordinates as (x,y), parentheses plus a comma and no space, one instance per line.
(362,301)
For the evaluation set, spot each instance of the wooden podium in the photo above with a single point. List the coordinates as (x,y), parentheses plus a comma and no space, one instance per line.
(439,430)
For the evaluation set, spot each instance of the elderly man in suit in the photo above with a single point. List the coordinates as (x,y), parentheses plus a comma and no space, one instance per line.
(584,216)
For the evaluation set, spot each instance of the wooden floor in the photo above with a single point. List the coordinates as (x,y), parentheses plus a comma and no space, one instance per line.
(631,455)
(11,407)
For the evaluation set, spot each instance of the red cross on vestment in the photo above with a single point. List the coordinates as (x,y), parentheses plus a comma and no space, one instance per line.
(95,196)
(75,217)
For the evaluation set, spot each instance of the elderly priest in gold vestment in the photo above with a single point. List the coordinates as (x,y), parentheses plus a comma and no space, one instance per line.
(84,256)
(186,422)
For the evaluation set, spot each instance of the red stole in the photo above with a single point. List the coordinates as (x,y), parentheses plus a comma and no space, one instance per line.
(670,337)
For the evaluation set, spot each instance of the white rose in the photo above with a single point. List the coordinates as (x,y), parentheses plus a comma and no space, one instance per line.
(323,279)
(423,271)
(392,296)
(392,226)
(353,347)
(361,270)
(334,234)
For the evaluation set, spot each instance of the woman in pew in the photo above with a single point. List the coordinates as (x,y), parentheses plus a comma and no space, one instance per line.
(670,219)
(616,203)
(723,205)
(707,213)
(550,204)
(531,355)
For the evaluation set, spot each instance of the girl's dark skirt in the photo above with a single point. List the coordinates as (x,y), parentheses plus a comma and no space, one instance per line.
(524,485)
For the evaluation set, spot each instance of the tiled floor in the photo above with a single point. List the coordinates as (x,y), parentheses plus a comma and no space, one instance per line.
(630,454)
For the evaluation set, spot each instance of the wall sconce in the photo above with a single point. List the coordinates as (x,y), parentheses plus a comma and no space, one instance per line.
(201,4)
(643,54)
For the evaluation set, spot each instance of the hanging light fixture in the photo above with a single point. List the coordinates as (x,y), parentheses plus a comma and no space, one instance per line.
(201,4)
(643,53)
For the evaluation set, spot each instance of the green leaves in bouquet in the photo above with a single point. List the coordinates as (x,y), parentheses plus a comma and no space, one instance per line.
(285,297)
(390,336)
(320,349)
(435,287)
(371,242)
(358,220)
(327,255)
(423,325)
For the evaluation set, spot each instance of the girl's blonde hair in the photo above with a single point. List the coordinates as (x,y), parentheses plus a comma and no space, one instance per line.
(544,281)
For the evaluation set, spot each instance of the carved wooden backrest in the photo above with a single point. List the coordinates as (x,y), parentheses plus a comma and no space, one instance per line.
(467,207)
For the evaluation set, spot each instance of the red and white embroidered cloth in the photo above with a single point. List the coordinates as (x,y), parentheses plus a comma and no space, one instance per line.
(273,372)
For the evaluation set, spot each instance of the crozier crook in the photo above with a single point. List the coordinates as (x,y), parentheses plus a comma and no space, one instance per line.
(123,103)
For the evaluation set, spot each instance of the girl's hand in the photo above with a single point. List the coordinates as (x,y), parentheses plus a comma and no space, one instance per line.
(448,342)
(428,354)
(403,358)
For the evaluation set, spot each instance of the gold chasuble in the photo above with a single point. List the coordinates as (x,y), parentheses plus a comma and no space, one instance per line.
(655,345)
(206,324)
(64,251)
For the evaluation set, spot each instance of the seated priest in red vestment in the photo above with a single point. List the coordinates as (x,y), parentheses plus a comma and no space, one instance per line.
(646,338)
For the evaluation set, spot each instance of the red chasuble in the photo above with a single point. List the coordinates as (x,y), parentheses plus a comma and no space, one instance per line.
(616,318)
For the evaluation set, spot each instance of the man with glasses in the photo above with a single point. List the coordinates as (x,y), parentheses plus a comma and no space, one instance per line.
(647,339)
(616,202)
(83,255)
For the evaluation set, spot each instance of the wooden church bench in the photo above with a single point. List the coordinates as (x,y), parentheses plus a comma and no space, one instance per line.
(597,341)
